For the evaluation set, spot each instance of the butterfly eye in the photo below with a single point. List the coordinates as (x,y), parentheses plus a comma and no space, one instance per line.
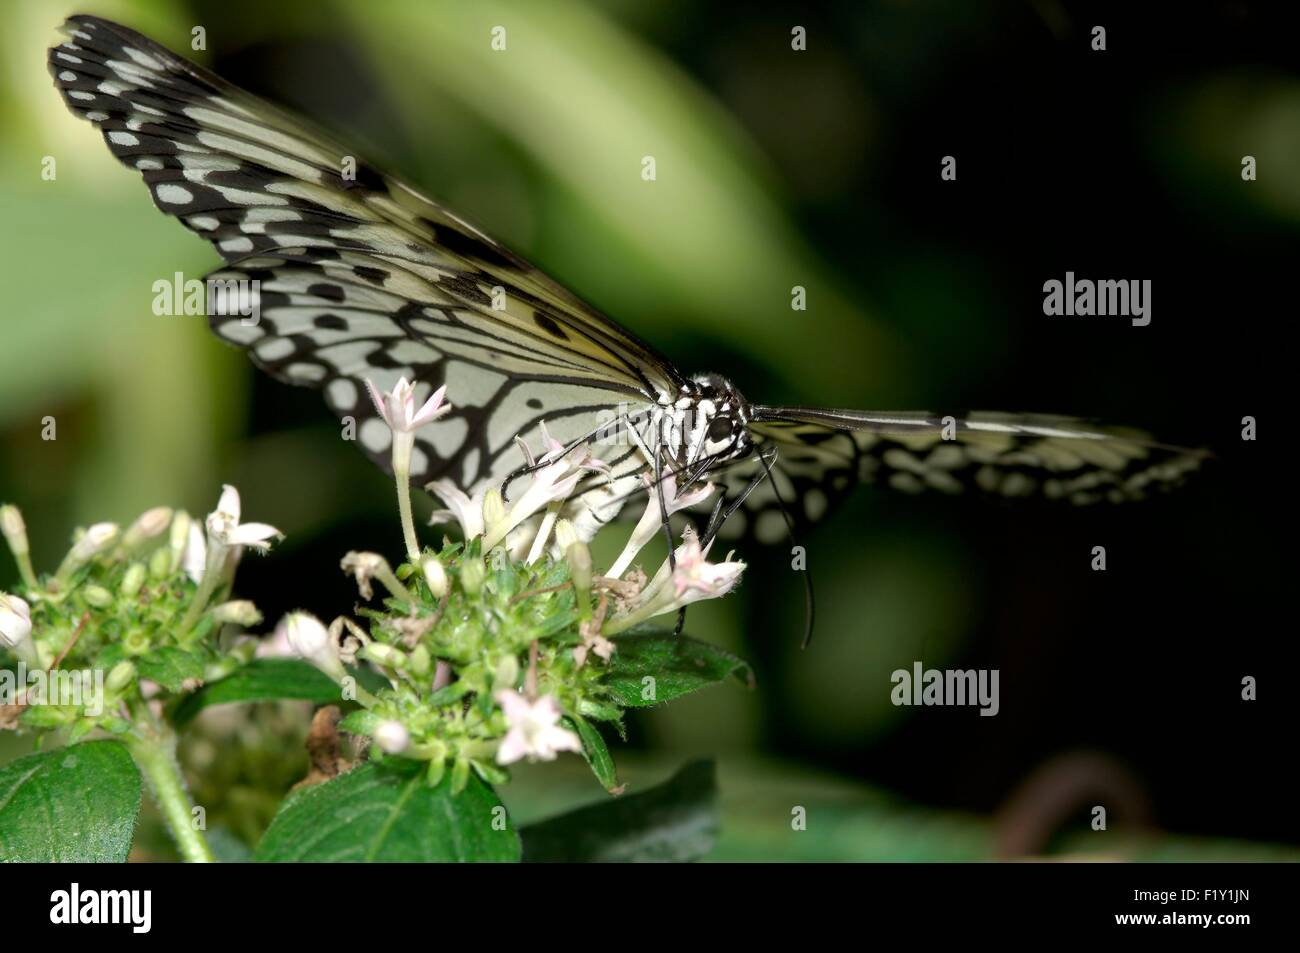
(719,429)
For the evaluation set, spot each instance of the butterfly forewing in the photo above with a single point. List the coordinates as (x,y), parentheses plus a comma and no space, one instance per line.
(359,275)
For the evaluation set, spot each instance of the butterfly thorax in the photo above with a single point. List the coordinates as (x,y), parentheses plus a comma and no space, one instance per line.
(706,427)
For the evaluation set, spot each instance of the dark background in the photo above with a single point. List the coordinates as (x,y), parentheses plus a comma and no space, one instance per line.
(1124,687)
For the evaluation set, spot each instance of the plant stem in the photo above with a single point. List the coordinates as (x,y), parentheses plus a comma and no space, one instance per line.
(404,508)
(154,753)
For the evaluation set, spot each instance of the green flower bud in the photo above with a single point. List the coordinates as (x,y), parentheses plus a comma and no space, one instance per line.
(237,611)
(97,596)
(132,581)
(120,676)
(14,529)
(565,534)
(385,655)
(507,673)
(160,564)
(579,558)
(421,661)
(472,574)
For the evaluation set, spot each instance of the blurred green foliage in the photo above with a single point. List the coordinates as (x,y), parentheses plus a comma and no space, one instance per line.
(543,147)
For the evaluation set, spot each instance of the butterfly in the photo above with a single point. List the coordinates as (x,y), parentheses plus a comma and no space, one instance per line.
(359,276)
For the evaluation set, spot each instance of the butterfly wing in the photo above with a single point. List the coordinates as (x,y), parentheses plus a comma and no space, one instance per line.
(822,454)
(360,275)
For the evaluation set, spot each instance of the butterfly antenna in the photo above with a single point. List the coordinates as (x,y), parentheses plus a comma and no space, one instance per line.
(809,600)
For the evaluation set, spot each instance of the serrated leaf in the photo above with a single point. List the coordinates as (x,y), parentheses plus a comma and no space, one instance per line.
(678,666)
(676,821)
(388,813)
(75,804)
(171,667)
(260,680)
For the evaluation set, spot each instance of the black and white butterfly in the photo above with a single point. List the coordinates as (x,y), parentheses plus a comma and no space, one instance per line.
(362,277)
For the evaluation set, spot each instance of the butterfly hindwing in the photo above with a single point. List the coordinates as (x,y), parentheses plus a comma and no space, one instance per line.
(822,454)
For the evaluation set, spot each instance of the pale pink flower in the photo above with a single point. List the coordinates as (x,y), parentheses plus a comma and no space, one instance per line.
(652,519)
(397,407)
(534,730)
(466,510)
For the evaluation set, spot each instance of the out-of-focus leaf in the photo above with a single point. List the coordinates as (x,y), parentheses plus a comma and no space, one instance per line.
(260,680)
(609,103)
(676,821)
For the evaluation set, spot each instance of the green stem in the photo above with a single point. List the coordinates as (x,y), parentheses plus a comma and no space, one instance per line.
(408,523)
(154,753)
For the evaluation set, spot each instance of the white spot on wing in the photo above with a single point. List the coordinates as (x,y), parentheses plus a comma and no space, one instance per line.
(173,194)
(375,435)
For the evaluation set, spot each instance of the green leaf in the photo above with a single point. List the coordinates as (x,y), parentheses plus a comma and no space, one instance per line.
(676,821)
(677,665)
(596,752)
(388,813)
(260,680)
(171,667)
(75,804)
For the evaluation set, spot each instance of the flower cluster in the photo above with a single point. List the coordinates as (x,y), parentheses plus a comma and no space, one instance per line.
(502,647)
(497,649)
(130,614)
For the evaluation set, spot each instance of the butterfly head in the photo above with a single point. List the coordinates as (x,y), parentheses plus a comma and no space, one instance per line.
(718,427)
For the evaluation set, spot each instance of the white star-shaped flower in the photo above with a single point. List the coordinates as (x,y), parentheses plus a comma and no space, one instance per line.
(398,409)
(534,732)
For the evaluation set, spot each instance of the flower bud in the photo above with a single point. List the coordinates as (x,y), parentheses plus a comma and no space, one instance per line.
(147,525)
(392,737)
(160,564)
(88,545)
(435,576)
(14,529)
(579,558)
(384,655)
(97,597)
(494,508)
(507,673)
(132,580)
(472,574)
(421,660)
(565,534)
(306,635)
(179,538)
(16,626)
(310,639)
(237,611)
(15,533)
(120,676)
